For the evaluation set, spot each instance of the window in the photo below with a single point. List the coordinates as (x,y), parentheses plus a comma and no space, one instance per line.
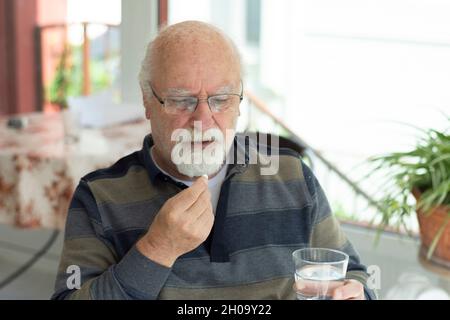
(81,55)
(253,21)
(342,74)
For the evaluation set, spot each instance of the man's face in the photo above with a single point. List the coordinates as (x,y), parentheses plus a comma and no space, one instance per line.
(199,70)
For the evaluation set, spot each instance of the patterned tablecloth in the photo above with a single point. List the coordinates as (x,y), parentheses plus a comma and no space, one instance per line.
(39,169)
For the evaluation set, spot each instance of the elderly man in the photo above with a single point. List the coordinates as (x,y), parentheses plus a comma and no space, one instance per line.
(152,226)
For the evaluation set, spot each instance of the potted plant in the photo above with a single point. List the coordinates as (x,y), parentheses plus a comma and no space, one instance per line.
(418,182)
(60,86)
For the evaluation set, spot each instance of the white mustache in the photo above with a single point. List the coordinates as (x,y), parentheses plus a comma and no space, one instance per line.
(210,135)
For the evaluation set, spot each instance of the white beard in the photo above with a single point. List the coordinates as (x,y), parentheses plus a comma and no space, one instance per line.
(200,169)
(195,161)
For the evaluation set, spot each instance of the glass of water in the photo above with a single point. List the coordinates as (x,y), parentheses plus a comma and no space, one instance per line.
(318,271)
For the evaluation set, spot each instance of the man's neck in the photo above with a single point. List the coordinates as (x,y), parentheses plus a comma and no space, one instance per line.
(171,169)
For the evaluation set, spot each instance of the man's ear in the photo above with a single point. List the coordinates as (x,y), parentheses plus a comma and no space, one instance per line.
(147,108)
(147,111)
(146,104)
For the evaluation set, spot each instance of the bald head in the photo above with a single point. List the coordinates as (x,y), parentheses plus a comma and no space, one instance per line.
(185,48)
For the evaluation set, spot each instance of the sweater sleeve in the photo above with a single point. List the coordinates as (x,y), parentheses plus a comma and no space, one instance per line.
(327,233)
(89,255)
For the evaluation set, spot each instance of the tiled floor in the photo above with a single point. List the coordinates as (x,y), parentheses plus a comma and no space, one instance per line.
(16,248)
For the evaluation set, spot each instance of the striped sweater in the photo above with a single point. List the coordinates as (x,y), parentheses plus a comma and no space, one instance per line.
(260,221)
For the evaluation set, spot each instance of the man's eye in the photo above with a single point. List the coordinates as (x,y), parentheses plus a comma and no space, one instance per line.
(181,102)
(220,100)
(223,98)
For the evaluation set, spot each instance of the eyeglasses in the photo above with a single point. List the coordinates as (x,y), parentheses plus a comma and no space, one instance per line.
(218,103)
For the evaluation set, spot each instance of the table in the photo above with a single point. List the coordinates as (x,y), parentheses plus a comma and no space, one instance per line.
(39,169)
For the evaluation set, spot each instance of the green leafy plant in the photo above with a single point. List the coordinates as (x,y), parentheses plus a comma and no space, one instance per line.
(57,92)
(424,170)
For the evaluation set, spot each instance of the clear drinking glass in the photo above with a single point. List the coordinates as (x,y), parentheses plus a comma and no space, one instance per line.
(318,271)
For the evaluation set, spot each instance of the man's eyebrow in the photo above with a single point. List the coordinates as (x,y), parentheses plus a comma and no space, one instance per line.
(224,90)
(178,92)
(187,92)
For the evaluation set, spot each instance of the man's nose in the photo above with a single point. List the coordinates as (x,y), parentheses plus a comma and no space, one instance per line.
(203,113)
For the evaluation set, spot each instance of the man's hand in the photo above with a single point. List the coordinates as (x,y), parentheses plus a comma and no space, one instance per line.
(348,290)
(180,226)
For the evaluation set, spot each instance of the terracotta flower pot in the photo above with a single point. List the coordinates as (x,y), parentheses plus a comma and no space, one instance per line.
(430,224)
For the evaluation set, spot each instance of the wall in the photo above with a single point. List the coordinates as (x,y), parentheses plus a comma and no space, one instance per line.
(18,76)
(17,60)
(139,26)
